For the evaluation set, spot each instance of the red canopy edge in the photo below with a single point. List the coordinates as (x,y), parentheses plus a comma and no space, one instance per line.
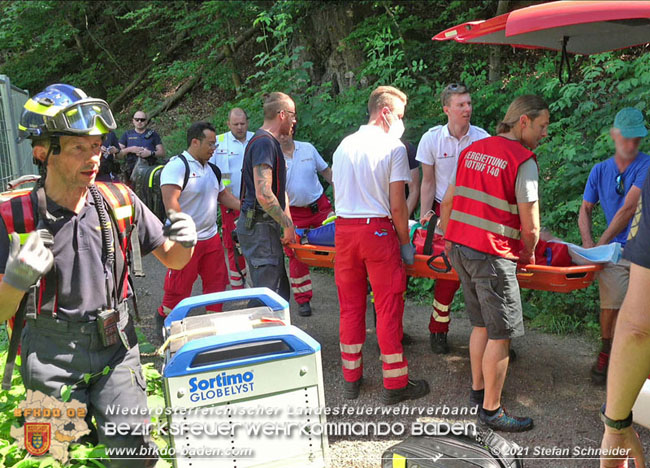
(567,13)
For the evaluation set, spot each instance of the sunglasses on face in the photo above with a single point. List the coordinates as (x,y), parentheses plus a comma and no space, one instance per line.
(138,119)
(620,184)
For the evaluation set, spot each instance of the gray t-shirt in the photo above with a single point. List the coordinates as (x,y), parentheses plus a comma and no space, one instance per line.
(77,253)
(526,183)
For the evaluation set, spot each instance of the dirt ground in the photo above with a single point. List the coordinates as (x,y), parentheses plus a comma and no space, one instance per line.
(549,381)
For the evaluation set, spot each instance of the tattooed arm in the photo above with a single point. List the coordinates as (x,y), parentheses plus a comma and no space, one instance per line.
(263,178)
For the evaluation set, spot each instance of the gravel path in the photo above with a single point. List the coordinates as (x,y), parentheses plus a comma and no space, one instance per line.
(549,381)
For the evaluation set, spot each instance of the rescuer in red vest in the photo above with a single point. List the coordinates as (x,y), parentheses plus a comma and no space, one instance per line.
(490,215)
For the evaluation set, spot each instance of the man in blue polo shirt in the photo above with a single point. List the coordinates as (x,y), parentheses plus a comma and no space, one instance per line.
(616,183)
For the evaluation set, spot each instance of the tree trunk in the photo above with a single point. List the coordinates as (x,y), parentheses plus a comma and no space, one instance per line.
(189,84)
(138,78)
(495,50)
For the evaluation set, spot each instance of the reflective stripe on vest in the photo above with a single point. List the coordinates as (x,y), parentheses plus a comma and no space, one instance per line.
(484,224)
(484,214)
(487,199)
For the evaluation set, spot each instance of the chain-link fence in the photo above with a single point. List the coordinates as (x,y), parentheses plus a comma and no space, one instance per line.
(15,158)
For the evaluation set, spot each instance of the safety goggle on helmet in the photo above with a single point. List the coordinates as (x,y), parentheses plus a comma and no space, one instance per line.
(61,109)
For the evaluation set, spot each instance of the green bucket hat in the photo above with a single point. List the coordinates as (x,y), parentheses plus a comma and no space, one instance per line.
(631,123)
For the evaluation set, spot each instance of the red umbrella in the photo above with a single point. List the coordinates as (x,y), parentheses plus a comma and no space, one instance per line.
(579,27)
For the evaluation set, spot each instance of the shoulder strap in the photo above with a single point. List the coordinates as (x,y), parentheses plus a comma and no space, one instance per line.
(187,170)
(18,215)
(216,170)
(122,212)
(118,199)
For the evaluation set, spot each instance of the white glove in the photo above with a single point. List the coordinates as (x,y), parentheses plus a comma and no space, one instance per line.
(26,264)
(181,229)
(408,253)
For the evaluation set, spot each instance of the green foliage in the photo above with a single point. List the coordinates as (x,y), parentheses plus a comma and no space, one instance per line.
(101,45)
(81,456)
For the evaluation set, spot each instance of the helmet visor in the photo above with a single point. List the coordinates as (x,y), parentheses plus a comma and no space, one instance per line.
(85,117)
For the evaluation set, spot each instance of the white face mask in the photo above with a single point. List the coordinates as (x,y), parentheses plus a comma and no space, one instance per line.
(396,129)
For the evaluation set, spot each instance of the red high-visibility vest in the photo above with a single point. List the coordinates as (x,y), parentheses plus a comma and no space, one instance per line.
(18,216)
(484,213)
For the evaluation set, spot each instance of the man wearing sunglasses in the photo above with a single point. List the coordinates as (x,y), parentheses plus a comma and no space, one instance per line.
(438,152)
(140,143)
(616,183)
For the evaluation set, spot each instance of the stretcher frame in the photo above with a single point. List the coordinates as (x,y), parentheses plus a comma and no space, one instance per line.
(539,277)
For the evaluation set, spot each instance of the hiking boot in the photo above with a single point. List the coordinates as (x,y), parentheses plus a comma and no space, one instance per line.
(407,340)
(351,389)
(304,310)
(438,342)
(476,398)
(501,421)
(414,389)
(599,369)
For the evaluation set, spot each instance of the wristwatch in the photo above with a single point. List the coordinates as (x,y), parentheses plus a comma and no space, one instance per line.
(615,424)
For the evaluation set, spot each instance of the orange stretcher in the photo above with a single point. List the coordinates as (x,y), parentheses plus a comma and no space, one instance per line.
(541,277)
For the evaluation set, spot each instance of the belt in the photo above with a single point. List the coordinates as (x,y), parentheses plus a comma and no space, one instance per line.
(345,221)
(49,323)
(260,215)
(85,328)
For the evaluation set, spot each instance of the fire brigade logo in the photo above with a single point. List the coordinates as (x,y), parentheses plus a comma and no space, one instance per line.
(37,438)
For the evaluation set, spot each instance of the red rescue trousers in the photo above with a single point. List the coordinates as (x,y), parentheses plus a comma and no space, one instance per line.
(304,217)
(207,261)
(228,219)
(368,249)
(443,296)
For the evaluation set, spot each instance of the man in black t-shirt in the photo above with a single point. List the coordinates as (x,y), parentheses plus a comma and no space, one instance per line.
(265,222)
(629,363)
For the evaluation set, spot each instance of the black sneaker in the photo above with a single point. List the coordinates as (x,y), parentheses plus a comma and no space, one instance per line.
(599,369)
(407,340)
(501,421)
(304,310)
(476,398)
(438,342)
(351,389)
(414,389)
(160,324)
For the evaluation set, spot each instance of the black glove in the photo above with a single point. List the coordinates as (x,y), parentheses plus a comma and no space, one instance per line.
(181,229)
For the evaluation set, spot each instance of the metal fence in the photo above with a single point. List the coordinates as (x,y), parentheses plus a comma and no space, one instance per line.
(15,158)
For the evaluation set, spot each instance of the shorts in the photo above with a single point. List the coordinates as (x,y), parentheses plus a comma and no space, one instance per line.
(612,284)
(491,292)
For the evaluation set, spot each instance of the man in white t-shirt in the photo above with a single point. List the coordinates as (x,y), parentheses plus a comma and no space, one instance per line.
(438,152)
(308,204)
(195,189)
(228,156)
(370,169)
